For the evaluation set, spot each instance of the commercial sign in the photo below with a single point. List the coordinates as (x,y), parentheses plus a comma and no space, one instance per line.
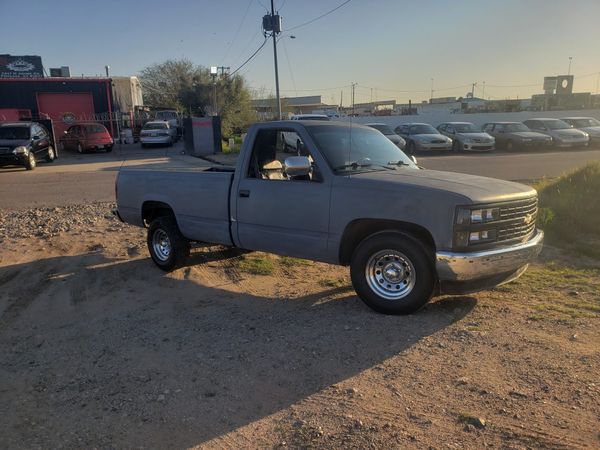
(28,66)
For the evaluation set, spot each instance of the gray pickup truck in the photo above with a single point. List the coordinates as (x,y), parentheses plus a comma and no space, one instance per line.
(346,196)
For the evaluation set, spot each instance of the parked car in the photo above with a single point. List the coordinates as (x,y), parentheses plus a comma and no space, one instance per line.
(310,117)
(389,133)
(466,136)
(587,124)
(156,132)
(423,137)
(562,134)
(25,143)
(174,119)
(511,135)
(87,136)
(355,199)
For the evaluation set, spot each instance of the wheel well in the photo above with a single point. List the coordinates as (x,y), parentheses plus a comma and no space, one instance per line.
(360,229)
(151,210)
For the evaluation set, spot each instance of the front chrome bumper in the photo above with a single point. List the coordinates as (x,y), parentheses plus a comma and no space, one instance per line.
(488,263)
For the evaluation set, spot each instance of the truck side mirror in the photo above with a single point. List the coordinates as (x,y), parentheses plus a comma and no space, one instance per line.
(297,166)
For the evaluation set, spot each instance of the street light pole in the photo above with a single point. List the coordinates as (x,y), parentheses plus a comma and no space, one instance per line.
(570,59)
(274,36)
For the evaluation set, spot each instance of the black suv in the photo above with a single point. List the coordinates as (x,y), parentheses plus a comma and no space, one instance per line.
(25,143)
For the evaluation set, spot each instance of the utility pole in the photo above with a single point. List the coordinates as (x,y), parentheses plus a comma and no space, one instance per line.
(342,99)
(570,59)
(431,96)
(353,85)
(213,74)
(473,89)
(274,36)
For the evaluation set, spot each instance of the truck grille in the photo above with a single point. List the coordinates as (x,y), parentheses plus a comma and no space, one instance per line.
(520,217)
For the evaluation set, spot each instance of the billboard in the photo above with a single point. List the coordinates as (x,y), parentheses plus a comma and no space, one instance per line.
(27,66)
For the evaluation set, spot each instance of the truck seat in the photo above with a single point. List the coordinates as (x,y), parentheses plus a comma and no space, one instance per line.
(272,170)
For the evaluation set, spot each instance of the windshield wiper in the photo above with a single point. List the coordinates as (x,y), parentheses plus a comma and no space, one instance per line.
(398,163)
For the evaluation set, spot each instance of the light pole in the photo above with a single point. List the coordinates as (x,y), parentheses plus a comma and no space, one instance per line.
(213,74)
(570,59)
(107,68)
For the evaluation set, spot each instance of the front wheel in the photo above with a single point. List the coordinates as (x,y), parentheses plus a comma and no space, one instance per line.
(392,273)
(30,163)
(50,156)
(168,247)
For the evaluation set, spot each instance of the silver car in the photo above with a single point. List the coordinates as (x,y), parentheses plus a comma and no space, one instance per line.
(561,132)
(588,124)
(389,133)
(422,136)
(466,136)
(156,132)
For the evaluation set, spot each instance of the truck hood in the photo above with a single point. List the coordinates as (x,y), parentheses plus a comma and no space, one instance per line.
(473,188)
(12,143)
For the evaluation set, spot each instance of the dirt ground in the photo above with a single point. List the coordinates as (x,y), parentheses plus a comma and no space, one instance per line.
(100,349)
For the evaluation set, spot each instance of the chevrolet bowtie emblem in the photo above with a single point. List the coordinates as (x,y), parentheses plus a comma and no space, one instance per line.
(527,219)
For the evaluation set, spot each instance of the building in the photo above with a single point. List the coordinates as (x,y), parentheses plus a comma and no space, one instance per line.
(266,108)
(64,100)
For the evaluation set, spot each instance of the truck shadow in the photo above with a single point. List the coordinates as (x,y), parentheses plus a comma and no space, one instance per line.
(114,353)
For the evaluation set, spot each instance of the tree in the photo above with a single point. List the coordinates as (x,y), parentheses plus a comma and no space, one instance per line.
(189,88)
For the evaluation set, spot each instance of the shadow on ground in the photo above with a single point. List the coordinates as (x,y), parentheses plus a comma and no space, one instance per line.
(113,353)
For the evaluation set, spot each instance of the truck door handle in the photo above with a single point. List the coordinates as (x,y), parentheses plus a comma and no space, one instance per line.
(244,193)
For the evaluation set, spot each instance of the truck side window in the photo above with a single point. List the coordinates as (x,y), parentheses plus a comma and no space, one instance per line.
(271,148)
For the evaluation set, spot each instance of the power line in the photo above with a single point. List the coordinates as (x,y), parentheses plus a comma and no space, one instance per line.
(260,3)
(319,17)
(238,30)
(250,58)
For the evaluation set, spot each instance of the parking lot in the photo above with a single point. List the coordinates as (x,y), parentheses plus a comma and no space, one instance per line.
(75,178)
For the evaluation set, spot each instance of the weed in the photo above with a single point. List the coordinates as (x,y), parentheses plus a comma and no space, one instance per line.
(256,264)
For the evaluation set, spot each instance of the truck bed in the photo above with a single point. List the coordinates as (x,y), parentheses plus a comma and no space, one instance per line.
(199,197)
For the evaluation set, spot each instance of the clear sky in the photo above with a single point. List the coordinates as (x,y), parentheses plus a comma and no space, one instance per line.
(393,46)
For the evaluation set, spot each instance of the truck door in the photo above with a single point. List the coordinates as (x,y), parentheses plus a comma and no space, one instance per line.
(278,213)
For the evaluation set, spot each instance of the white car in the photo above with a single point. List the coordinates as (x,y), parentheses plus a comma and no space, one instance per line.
(466,136)
(157,132)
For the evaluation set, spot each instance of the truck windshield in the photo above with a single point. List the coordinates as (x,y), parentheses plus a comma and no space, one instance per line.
(10,133)
(357,148)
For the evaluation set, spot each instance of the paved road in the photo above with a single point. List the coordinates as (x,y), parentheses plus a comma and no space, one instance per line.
(75,178)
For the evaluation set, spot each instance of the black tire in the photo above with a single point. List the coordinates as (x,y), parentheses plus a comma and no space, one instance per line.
(456,146)
(30,163)
(174,251)
(405,257)
(50,155)
(109,149)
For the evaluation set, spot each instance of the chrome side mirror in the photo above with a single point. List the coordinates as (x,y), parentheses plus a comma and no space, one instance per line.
(413,159)
(297,166)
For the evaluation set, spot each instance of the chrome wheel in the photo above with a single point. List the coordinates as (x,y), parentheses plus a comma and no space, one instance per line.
(161,245)
(390,274)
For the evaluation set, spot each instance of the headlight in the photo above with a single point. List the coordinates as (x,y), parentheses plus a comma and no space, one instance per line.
(465,238)
(466,216)
(20,150)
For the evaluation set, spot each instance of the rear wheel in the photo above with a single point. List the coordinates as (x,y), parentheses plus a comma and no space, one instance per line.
(50,156)
(30,163)
(392,273)
(168,248)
